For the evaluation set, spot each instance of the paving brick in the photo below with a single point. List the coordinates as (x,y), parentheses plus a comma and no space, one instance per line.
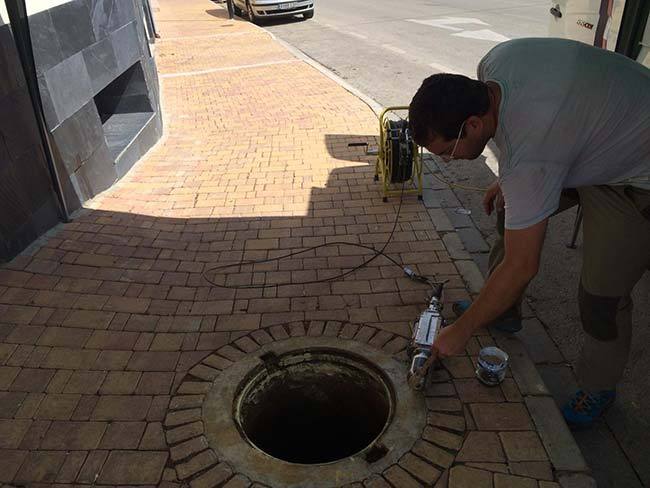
(10,402)
(85,382)
(179,417)
(120,383)
(195,464)
(123,435)
(153,438)
(452,422)
(73,435)
(64,337)
(215,476)
(65,358)
(85,407)
(57,406)
(473,391)
(278,332)
(209,341)
(153,361)
(433,454)
(501,416)
(10,462)
(184,432)
(12,432)
(419,469)
(32,380)
(523,446)
(35,435)
(464,477)
(73,462)
(91,467)
(186,449)
(156,383)
(398,477)
(112,407)
(540,470)
(442,404)
(442,438)
(41,466)
(112,360)
(133,467)
(481,447)
(24,335)
(7,376)
(109,339)
(30,406)
(509,481)
(88,319)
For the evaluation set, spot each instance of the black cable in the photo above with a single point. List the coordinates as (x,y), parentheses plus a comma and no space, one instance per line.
(378,252)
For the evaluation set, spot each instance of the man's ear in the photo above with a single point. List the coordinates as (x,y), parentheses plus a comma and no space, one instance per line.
(473,125)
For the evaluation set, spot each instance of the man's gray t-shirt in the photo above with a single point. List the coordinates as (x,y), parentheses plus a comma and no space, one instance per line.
(571,115)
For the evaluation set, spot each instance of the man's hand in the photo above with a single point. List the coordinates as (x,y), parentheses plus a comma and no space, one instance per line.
(451,341)
(493,198)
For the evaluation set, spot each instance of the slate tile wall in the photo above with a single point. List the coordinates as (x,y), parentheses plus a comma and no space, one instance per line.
(80,47)
(28,205)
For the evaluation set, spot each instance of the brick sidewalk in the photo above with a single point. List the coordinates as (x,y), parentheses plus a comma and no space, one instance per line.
(102,319)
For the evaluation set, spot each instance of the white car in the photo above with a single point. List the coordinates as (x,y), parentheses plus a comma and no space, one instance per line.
(257,10)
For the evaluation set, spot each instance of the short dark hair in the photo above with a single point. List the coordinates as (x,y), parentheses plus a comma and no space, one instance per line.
(442,103)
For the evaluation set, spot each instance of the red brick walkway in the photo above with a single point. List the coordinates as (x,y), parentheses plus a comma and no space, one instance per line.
(100,322)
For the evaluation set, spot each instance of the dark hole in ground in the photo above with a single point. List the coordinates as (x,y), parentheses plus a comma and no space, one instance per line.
(314,408)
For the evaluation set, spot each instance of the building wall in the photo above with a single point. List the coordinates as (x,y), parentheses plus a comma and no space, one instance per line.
(80,47)
(28,205)
(84,50)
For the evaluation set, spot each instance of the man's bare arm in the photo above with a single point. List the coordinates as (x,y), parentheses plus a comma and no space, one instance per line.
(502,289)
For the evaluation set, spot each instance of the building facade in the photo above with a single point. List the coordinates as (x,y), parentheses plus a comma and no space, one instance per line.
(96,79)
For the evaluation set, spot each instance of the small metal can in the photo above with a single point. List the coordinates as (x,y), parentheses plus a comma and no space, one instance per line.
(491,365)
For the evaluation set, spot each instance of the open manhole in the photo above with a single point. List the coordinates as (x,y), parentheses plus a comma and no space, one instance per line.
(315,407)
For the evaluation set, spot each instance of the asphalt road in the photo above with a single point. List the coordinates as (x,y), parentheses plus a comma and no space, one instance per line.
(385,49)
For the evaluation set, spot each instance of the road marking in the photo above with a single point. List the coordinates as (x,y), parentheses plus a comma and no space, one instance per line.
(447,22)
(228,68)
(483,35)
(360,36)
(393,48)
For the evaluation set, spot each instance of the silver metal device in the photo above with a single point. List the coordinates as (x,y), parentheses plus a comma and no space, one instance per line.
(425,332)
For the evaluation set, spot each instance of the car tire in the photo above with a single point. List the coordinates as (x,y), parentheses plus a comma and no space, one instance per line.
(308,15)
(238,11)
(251,15)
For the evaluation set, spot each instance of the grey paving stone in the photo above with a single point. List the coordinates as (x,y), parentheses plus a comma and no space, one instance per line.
(471,274)
(440,220)
(523,369)
(538,342)
(473,239)
(454,246)
(556,437)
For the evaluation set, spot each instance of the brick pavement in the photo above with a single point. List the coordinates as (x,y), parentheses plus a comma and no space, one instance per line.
(101,319)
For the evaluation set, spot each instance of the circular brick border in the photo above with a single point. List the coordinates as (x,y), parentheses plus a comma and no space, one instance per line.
(192,438)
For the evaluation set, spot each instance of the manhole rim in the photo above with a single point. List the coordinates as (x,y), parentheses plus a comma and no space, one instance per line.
(350,359)
(224,437)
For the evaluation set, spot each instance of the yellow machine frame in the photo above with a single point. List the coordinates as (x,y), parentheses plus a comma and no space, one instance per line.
(384,165)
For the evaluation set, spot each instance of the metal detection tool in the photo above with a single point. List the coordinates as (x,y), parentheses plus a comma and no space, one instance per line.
(425,332)
(399,160)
